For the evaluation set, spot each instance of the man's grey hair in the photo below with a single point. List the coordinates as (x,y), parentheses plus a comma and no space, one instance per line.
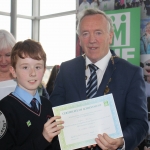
(7,41)
(89,12)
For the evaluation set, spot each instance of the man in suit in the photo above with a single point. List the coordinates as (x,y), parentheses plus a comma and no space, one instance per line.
(114,75)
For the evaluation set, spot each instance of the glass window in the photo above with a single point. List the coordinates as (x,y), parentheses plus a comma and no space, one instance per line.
(24,7)
(24,29)
(5,5)
(56,6)
(5,22)
(57,36)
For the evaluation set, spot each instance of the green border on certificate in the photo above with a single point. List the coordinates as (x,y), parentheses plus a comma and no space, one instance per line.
(85,119)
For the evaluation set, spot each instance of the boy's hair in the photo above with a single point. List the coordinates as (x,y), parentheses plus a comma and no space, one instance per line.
(27,48)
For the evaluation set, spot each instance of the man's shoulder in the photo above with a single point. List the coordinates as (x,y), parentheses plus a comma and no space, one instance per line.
(74,60)
(127,63)
(126,67)
(73,63)
(120,61)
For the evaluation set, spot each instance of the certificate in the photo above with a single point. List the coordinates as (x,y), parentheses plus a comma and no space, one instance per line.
(85,119)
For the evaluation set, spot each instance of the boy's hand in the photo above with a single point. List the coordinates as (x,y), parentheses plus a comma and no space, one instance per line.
(106,142)
(51,128)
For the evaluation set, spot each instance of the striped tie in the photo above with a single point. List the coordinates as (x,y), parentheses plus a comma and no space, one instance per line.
(33,105)
(91,88)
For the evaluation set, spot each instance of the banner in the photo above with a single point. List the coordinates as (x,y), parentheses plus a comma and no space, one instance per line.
(126,24)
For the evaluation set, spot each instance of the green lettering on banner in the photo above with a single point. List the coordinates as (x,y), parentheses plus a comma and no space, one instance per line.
(126,41)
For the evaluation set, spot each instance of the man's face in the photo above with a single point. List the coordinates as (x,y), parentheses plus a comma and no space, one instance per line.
(29,73)
(95,37)
(147,68)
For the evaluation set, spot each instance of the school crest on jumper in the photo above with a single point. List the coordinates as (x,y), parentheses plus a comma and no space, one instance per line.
(3,125)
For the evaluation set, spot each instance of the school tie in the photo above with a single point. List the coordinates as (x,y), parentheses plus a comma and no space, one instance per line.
(91,88)
(33,105)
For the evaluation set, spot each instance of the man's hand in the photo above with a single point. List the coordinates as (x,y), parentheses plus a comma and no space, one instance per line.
(90,146)
(107,143)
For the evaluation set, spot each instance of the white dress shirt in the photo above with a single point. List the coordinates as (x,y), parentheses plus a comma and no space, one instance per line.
(101,64)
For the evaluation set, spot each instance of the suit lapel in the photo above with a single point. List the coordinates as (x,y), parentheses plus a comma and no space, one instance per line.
(107,76)
(81,85)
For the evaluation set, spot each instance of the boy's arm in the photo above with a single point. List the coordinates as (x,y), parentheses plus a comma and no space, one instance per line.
(9,140)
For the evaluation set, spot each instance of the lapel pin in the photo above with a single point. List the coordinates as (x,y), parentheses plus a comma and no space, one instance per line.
(106,90)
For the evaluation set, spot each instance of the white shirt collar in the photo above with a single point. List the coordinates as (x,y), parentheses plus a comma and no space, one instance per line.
(102,63)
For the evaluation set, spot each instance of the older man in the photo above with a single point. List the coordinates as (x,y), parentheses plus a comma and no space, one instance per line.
(100,72)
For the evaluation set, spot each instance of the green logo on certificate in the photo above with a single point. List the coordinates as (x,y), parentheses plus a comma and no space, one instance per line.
(106,103)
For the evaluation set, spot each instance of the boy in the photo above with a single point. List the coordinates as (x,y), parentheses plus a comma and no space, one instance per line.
(26,118)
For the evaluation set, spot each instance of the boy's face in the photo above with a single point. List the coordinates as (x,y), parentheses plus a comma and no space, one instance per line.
(29,73)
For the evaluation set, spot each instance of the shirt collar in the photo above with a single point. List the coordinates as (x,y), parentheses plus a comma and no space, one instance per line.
(26,96)
(102,63)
